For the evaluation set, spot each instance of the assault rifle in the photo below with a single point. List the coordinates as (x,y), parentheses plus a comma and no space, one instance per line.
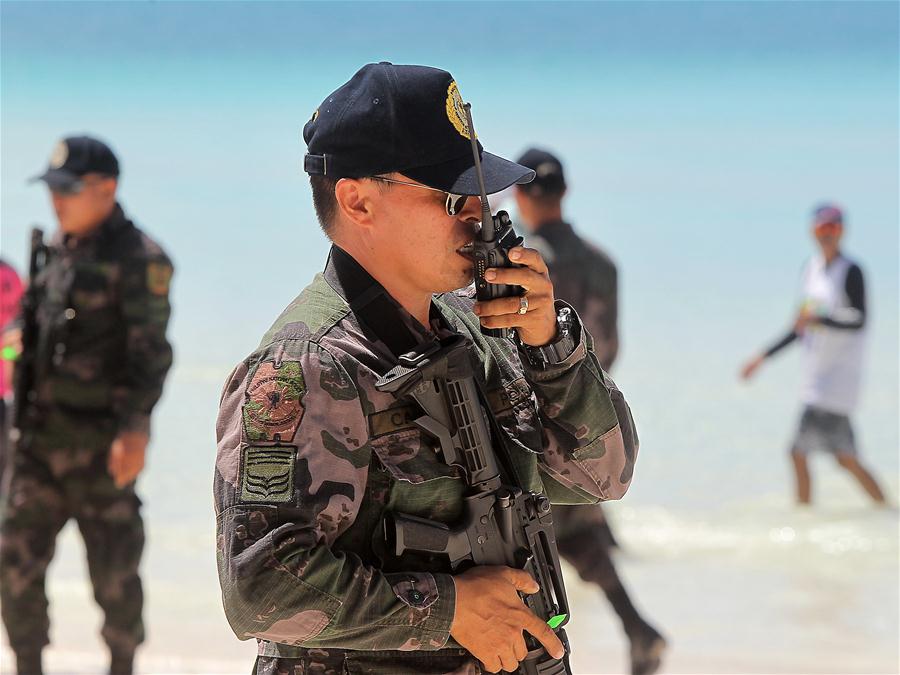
(502,524)
(23,389)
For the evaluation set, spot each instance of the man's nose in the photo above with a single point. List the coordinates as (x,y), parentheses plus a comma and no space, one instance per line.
(471,211)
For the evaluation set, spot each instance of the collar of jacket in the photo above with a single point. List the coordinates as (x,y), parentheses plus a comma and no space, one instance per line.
(553,230)
(380,316)
(114,222)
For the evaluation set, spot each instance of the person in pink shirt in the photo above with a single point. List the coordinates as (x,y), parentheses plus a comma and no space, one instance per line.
(10,294)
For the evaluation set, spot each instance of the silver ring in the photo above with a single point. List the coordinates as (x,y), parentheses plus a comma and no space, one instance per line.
(523,304)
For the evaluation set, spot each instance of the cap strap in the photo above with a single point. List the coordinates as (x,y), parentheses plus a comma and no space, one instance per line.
(314,164)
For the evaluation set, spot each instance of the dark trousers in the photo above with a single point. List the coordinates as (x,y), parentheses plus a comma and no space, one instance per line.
(58,472)
(584,539)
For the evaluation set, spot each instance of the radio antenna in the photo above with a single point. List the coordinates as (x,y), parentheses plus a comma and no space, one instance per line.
(487,220)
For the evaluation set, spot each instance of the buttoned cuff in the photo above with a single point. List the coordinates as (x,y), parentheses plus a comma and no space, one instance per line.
(553,370)
(434,595)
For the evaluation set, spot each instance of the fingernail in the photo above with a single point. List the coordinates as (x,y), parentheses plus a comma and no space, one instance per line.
(490,275)
(515,254)
(476,308)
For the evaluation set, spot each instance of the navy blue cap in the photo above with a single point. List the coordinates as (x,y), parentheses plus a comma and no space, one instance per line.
(408,119)
(549,177)
(75,156)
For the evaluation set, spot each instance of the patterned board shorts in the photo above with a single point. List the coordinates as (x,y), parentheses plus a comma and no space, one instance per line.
(825,431)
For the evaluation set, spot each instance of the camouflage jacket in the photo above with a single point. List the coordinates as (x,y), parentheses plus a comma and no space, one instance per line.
(585,276)
(311,455)
(102,311)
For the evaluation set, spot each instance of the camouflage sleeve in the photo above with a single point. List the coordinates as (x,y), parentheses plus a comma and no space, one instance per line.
(291,474)
(590,444)
(148,355)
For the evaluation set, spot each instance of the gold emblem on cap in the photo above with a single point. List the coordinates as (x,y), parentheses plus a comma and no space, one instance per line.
(314,115)
(456,113)
(59,155)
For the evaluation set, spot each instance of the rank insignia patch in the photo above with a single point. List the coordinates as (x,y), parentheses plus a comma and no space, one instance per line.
(273,409)
(158,277)
(267,475)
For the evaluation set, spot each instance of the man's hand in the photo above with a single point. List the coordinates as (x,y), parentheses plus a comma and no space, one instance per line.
(126,456)
(803,320)
(11,339)
(537,326)
(490,617)
(751,366)
(11,345)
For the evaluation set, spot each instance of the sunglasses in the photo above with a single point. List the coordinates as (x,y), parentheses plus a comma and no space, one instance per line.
(76,187)
(453,204)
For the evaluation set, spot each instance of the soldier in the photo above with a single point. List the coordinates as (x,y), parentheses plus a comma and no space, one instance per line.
(585,276)
(99,359)
(313,459)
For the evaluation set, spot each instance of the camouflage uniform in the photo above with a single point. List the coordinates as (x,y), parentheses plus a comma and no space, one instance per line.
(102,356)
(311,456)
(585,276)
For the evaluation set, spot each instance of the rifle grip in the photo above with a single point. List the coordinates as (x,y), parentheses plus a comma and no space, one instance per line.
(411,533)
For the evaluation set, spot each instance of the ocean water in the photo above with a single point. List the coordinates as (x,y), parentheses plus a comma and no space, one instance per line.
(696,138)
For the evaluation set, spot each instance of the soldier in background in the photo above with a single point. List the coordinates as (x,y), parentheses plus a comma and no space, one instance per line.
(585,276)
(98,362)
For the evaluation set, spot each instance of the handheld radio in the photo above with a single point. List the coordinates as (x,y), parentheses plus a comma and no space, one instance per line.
(491,246)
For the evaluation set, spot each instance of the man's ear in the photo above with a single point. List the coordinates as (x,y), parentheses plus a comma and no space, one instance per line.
(108,187)
(354,199)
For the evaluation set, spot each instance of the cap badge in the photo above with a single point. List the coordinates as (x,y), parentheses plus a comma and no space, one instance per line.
(59,155)
(546,169)
(315,115)
(456,111)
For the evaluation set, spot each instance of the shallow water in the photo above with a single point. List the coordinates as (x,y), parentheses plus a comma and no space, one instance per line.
(738,578)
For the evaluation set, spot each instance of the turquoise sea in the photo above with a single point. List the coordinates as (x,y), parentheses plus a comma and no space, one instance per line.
(696,136)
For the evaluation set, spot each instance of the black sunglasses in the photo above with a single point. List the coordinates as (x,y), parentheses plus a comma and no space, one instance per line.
(75,187)
(453,204)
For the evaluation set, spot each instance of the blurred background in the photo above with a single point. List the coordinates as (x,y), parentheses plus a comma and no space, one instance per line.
(696,138)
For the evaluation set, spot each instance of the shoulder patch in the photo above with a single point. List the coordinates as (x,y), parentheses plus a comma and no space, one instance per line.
(267,474)
(273,407)
(158,277)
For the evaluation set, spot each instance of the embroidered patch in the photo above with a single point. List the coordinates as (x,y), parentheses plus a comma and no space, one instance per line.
(268,474)
(393,419)
(456,111)
(503,400)
(158,277)
(273,409)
